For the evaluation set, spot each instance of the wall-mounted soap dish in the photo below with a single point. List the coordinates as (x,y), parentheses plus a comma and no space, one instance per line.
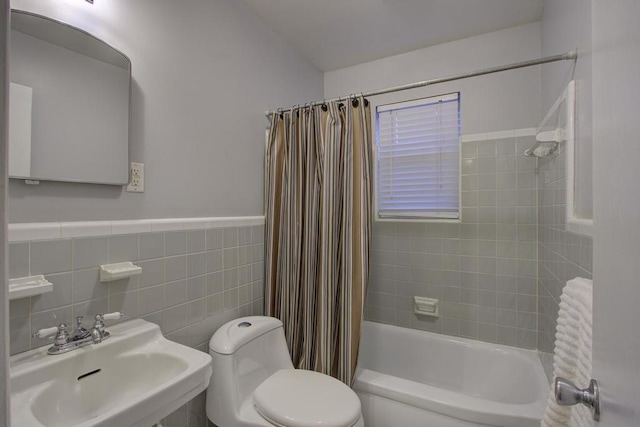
(117,271)
(23,287)
(425,306)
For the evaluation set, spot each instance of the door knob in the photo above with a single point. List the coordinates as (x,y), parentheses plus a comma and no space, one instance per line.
(567,394)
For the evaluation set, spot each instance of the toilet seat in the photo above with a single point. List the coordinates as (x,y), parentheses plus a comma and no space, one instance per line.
(300,398)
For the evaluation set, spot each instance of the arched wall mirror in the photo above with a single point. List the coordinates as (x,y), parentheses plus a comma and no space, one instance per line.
(68,104)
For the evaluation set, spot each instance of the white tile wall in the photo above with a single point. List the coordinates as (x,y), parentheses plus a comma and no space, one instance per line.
(483,269)
(194,278)
(562,255)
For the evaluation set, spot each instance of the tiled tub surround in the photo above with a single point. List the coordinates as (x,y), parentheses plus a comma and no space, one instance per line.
(483,269)
(192,282)
(562,255)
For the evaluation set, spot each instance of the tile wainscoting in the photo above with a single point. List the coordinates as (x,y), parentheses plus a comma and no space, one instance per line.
(482,269)
(196,275)
(562,254)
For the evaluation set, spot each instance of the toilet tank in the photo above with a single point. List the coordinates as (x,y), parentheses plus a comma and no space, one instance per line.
(244,352)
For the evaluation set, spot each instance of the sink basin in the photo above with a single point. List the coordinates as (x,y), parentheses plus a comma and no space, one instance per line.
(135,378)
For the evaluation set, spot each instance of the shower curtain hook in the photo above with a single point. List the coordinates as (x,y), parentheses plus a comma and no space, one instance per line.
(364,100)
(354,100)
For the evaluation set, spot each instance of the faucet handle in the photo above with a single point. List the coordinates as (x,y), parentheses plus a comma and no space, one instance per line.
(116,315)
(60,331)
(46,332)
(100,318)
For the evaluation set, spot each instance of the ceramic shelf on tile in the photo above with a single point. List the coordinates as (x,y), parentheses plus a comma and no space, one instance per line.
(24,287)
(425,306)
(121,270)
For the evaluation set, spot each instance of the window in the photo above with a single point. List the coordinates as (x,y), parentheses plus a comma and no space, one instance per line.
(418,158)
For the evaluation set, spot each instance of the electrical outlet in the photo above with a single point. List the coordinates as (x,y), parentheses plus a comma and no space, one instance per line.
(136,180)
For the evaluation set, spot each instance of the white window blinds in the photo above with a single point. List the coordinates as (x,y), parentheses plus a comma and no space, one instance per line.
(418,158)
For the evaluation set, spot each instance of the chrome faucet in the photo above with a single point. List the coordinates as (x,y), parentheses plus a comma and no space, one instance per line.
(80,337)
(81,333)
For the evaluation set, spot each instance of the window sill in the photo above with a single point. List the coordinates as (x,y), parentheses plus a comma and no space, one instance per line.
(421,220)
(580,226)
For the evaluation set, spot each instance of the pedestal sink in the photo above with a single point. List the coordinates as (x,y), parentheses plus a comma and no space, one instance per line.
(135,378)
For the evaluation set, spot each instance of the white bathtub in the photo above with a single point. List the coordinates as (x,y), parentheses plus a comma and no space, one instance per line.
(413,378)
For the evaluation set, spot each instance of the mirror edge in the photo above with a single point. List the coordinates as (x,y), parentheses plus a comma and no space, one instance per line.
(128,61)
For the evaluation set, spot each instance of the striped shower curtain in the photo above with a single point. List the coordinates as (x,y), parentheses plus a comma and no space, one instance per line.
(318,230)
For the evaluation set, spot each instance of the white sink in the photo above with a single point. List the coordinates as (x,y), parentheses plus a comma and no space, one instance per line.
(135,378)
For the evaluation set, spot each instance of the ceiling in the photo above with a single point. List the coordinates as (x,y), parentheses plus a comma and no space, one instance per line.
(335,34)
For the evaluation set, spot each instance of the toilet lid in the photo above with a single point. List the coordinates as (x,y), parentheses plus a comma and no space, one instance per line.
(300,398)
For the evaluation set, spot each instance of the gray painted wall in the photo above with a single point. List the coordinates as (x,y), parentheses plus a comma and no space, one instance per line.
(5,404)
(507,100)
(563,255)
(203,74)
(566,25)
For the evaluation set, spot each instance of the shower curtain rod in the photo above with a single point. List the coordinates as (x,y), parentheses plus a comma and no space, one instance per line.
(561,57)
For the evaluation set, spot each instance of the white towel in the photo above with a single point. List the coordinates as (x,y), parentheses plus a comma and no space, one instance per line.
(572,354)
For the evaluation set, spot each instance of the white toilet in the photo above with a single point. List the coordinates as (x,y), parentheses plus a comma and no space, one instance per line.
(254,382)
